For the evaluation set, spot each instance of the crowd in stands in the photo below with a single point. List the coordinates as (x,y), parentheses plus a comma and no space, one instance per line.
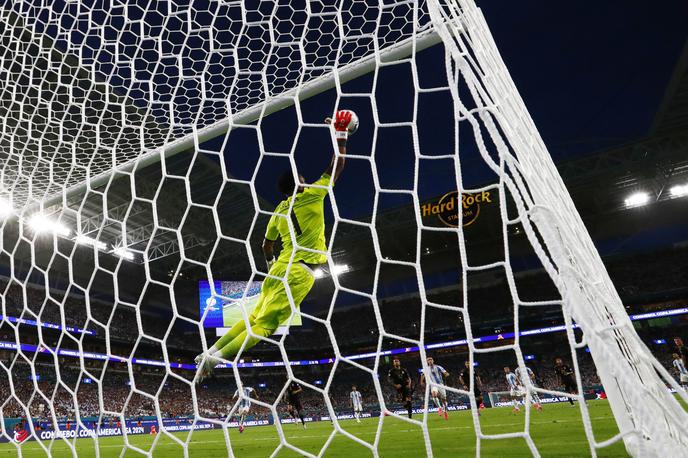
(490,307)
(142,391)
(111,390)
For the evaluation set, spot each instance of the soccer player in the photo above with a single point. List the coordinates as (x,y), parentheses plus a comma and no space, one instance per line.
(681,370)
(523,379)
(681,350)
(437,378)
(294,406)
(356,402)
(244,404)
(566,377)
(401,380)
(307,219)
(515,389)
(465,380)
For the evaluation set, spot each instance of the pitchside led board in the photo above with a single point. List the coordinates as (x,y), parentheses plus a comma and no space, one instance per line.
(224,303)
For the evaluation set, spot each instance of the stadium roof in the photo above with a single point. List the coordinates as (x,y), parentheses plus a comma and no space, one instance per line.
(598,181)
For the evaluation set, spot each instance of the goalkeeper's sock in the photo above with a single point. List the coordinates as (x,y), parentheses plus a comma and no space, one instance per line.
(409,409)
(571,401)
(230,350)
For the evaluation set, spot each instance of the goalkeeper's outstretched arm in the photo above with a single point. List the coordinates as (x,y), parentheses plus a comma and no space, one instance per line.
(269,251)
(342,125)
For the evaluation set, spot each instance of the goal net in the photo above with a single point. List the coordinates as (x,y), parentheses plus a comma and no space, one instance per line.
(140,144)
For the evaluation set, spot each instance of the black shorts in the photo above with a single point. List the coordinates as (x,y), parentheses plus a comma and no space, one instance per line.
(295,403)
(477,392)
(404,392)
(570,386)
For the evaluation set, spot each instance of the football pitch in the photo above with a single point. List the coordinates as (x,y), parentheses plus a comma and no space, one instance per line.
(556,431)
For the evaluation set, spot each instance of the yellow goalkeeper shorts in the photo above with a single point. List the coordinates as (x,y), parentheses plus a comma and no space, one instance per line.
(273,306)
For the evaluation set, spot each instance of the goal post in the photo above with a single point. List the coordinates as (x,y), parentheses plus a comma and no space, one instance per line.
(650,419)
(89,95)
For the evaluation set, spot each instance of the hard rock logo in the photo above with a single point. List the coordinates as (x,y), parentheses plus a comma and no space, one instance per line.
(446,208)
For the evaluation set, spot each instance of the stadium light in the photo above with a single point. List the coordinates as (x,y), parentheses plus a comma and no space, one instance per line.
(336,270)
(659,341)
(123,253)
(5,208)
(86,240)
(340,269)
(679,190)
(637,199)
(42,224)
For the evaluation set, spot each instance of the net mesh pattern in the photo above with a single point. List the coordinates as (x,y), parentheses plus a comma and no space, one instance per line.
(92,93)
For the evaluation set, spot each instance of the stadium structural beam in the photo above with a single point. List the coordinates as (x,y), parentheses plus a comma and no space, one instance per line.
(637,154)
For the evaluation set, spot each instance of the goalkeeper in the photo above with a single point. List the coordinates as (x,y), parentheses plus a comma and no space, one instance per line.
(308,224)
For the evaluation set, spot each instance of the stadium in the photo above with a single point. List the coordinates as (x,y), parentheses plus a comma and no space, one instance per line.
(500,270)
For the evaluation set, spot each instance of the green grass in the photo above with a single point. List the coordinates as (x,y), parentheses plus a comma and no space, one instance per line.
(556,431)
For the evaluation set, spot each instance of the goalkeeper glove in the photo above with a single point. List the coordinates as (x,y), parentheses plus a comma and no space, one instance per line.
(341,125)
(270,262)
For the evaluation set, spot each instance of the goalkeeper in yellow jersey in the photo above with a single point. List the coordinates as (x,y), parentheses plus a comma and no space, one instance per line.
(307,219)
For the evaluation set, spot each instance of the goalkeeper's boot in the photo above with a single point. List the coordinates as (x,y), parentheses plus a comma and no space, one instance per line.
(205,365)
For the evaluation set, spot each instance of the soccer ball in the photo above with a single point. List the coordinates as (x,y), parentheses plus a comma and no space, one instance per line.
(353,124)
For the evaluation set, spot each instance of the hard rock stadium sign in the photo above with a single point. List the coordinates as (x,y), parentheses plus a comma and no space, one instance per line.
(446,208)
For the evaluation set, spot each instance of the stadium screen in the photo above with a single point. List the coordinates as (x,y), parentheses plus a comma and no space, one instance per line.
(220,303)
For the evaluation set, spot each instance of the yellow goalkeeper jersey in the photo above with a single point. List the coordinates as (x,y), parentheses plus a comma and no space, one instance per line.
(308,221)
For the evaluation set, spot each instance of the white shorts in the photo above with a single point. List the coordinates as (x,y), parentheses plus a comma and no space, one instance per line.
(517,391)
(438,391)
(358,407)
(243,410)
(684,378)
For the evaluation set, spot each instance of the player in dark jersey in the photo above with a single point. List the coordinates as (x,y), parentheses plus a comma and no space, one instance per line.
(401,380)
(681,350)
(294,406)
(566,377)
(465,380)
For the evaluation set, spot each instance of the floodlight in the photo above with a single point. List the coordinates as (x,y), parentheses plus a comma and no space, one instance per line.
(340,269)
(42,224)
(123,253)
(679,190)
(86,240)
(637,199)
(5,208)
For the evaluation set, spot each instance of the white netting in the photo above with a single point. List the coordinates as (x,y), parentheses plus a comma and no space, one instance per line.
(96,98)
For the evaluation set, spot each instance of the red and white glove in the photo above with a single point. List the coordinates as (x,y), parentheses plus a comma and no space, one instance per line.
(341,124)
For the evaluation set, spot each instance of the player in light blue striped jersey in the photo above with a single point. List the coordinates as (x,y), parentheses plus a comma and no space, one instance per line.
(437,375)
(515,388)
(356,402)
(681,370)
(244,396)
(523,379)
